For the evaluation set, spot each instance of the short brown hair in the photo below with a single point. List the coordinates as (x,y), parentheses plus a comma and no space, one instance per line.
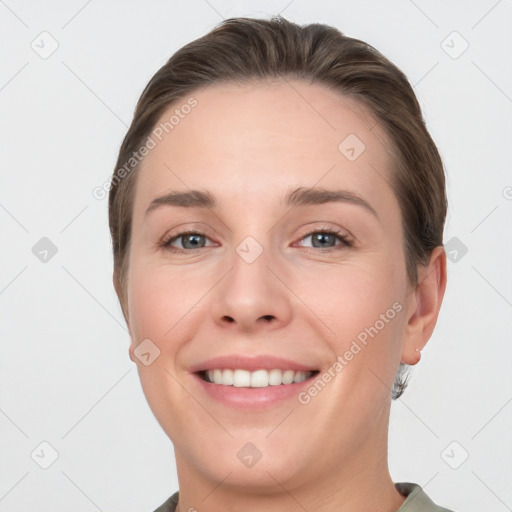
(240,50)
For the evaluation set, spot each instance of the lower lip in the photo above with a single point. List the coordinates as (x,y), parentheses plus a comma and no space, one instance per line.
(252,398)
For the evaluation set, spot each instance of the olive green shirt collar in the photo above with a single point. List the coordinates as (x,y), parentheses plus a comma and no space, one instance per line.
(417,500)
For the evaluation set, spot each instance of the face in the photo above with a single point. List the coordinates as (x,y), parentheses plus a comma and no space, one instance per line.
(293,271)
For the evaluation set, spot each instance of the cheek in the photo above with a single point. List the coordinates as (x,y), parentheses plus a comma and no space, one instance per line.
(361,305)
(146,306)
(152,299)
(161,307)
(164,302)
(353,296)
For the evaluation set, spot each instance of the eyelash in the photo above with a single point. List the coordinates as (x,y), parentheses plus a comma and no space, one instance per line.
(166,243)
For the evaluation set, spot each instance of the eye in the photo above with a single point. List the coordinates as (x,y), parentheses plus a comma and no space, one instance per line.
(189,241)
(326,238)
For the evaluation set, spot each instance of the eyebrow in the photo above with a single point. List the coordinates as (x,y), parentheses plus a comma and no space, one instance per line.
(302,196)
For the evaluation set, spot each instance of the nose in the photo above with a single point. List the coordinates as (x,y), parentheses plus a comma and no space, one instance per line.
(252,295)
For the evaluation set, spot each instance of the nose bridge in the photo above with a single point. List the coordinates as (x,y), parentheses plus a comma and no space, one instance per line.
(250,292)
(255,248)
(249,249)
(249,278)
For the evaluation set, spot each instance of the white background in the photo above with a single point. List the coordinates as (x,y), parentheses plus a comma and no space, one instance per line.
(65,373)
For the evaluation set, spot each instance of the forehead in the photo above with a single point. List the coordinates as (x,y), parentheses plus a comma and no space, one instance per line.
(243,142)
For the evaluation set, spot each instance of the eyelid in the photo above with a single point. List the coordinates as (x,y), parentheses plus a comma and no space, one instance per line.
(309,229)
(340,234)
(346,239)
(170,237)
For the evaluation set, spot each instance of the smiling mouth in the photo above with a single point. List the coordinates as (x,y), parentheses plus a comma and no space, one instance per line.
(255,379)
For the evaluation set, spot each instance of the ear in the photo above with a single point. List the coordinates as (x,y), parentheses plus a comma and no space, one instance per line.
(423,306)
(130,352)
(117,288)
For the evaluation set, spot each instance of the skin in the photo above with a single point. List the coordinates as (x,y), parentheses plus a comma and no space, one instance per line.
(248,145)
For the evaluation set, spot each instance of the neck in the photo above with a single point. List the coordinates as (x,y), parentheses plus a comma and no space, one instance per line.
(358,482)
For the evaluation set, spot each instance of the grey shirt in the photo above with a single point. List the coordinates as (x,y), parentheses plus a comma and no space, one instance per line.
(417,500)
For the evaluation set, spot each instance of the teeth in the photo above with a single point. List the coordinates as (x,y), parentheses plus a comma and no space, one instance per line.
(299,377)
(275,377)
(259,379)
(241,378)
(256,379)
(288,376)
(227,377)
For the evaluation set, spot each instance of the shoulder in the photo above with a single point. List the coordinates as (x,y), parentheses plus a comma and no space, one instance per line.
(417,500)
(169,505)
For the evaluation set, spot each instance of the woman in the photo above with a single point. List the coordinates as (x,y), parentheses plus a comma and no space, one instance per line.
(277,215)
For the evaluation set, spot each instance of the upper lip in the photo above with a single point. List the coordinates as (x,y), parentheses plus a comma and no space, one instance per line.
(259,362)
